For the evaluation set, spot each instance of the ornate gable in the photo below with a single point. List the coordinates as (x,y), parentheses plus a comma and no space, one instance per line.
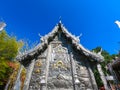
(45,40)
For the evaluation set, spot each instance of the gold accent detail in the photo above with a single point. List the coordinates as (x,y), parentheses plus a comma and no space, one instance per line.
(60,63)
(37,71)
(38,63)
(54,65)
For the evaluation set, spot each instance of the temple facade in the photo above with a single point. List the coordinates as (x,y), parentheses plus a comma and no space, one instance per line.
(60,62)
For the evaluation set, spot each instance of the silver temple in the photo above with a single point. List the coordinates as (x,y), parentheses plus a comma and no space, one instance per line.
(60,62)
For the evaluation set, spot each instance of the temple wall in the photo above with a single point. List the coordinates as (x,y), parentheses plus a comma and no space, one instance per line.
(83,71)
(61,67)
(39,72)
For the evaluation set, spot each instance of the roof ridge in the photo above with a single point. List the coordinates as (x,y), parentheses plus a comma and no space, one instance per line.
(75,42)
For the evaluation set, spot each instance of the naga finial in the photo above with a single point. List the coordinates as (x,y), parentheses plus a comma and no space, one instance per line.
(78,37)
(100,51)
(40,35)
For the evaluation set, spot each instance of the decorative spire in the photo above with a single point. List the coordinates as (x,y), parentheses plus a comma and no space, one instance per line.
(60,22)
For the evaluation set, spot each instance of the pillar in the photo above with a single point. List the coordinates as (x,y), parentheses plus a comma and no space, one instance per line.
(28,76)
(47,67)
(102,76)
(93,81)
(17,82)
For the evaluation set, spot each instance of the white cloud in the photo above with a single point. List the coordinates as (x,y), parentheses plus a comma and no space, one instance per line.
(2,25)
(118,23)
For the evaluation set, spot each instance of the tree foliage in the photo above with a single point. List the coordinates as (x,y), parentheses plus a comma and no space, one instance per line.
(9,47)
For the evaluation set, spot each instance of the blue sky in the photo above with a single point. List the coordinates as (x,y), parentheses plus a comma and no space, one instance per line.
(93,18)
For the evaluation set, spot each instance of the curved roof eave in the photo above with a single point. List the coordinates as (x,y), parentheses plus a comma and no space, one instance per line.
(75,41)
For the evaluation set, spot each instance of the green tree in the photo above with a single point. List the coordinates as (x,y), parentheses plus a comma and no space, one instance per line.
(9,47)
